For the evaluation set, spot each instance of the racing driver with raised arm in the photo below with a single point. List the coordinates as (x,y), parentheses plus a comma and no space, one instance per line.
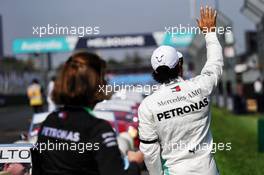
(174,122)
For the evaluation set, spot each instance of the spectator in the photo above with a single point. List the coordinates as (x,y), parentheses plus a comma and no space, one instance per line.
(51,104)
(34,93)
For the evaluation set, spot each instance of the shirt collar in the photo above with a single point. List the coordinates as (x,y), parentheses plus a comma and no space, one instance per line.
(176,80)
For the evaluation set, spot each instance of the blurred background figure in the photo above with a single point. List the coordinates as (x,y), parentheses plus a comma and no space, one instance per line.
(34,93)
(258,86)
(15,169)
(51,104)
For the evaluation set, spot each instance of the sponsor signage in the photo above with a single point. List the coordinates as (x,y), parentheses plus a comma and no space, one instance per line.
(68,44)
(178,39)
(137,40)
(44,45)
(15,153)
(116,41)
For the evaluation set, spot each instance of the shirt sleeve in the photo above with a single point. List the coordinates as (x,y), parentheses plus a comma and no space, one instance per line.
(108,156)
(149,144)
(213,68)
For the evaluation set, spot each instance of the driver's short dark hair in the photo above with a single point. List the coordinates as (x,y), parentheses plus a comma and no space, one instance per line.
(163,74)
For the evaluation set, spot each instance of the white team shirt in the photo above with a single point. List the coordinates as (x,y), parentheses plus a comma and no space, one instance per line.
(174,122)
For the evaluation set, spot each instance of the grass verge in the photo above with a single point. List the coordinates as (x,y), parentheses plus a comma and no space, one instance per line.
(241,132)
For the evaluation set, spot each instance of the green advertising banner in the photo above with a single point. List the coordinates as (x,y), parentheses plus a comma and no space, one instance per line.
(44,45)
(178,40)
(68,44)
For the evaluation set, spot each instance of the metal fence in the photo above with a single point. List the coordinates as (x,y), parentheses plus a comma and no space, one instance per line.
(13,82)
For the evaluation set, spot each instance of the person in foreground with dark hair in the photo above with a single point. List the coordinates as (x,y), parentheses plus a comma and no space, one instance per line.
(174,122)
(72,140)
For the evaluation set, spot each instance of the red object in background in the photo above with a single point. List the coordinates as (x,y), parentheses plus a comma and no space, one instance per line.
(121,115)
(124,121)
(136,142)
(36,130)
(127,117)
(122,126)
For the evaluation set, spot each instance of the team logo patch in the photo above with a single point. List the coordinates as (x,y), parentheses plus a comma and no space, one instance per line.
(159,59)
(176,89)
